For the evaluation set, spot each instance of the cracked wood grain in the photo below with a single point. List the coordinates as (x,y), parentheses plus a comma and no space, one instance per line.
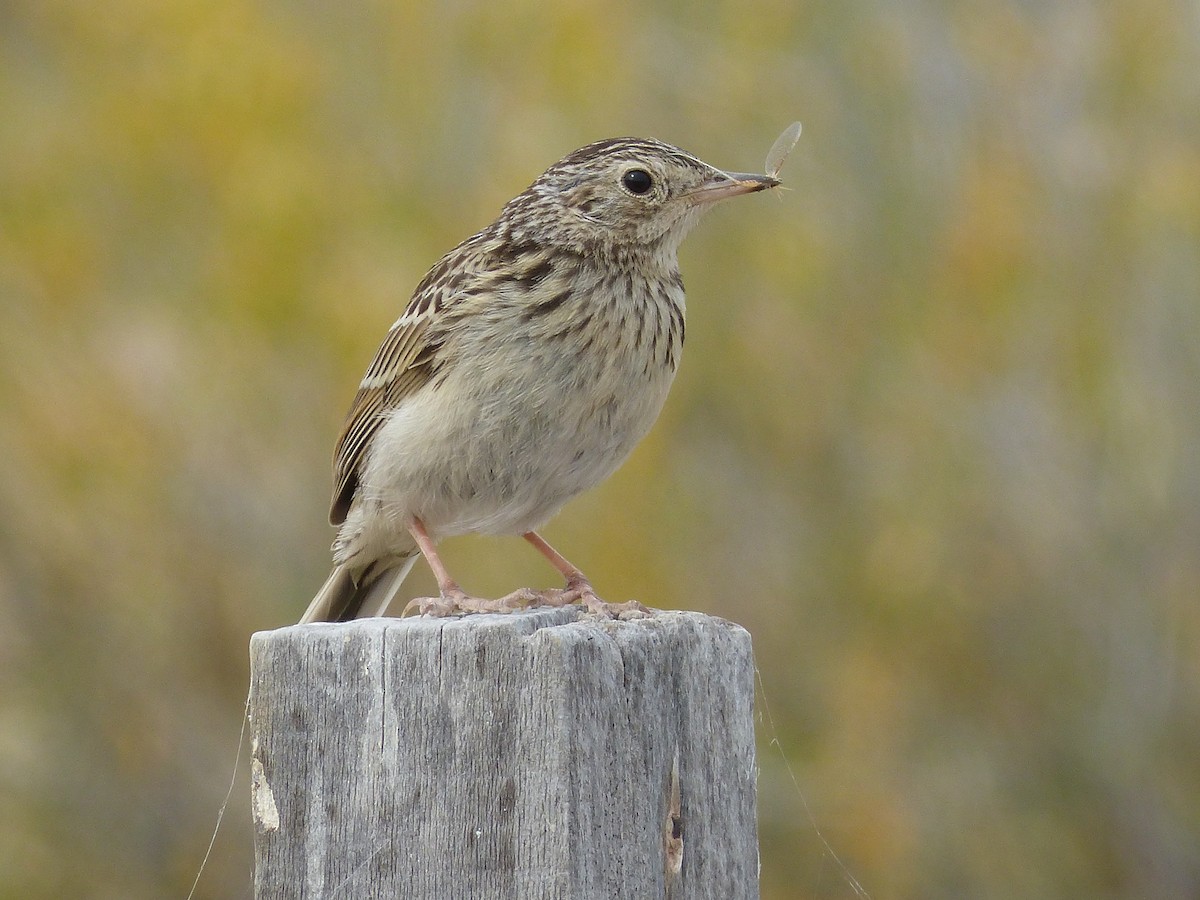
(546,754)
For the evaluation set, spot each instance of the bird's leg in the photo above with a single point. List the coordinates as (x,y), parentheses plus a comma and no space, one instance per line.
(447,586)
(453,599)
(578,586)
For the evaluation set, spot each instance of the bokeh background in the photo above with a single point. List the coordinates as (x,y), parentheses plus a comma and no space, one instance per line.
(935,441)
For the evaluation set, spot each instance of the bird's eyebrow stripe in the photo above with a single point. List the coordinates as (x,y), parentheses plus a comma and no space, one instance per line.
(631,149)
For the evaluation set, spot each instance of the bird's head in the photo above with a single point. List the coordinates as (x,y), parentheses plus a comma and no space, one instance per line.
(625,194)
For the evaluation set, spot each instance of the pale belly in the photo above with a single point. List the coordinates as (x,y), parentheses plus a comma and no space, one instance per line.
(503,447)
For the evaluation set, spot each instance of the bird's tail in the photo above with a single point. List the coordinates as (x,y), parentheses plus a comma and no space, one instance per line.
(343,598)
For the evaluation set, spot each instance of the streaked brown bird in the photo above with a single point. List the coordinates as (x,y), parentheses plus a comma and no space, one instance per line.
(528,363)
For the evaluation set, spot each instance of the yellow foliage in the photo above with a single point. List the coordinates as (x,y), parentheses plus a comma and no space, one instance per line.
(934,441)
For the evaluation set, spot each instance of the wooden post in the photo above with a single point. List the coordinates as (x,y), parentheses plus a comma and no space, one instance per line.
(544,754)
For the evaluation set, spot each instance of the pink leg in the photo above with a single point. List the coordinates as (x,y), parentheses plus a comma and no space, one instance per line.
(579,588)
(454,600)
(575,578)
(446,585)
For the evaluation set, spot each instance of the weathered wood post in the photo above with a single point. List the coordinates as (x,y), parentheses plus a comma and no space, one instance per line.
(545,754)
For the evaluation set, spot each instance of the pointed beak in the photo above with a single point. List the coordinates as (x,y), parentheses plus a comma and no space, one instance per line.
(730,184)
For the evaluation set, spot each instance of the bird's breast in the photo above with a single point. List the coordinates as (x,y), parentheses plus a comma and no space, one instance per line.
(539,398)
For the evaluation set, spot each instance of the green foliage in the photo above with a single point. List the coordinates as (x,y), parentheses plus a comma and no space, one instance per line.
(934,441)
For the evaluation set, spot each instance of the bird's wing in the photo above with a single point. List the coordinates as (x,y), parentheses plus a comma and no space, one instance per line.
(404,362)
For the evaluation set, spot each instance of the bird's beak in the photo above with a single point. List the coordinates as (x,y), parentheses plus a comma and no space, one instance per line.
(730,184)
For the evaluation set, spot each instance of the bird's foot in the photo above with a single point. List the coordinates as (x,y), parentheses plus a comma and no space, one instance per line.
(454,603)
(582,592)
(579,589)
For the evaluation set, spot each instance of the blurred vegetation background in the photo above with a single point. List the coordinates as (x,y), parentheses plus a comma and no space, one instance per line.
(935,440)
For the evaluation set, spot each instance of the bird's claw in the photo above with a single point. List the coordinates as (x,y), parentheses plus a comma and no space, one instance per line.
(461,604)
(526,598)
(583,593)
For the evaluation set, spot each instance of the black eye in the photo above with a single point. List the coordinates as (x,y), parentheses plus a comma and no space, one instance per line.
(637,181)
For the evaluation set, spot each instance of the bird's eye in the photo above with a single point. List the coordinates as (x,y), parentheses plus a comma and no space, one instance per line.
(637,181)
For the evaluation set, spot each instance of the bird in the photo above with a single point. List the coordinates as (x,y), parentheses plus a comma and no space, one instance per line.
(528,363)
